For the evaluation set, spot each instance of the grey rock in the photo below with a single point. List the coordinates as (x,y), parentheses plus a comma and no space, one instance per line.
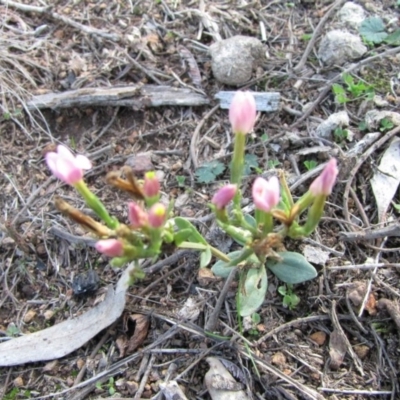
(340,46)
(351,14)
(234,59)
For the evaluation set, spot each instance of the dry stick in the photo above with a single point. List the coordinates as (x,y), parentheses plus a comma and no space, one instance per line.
(327,87)
(195,136)
(168,261)
(145,377)
(25,7)
(68,21)
(361,160)
(113,370)
(308,392)
(212,321)
(32,197)
(391,230)
(315,35)
(93,353)
(104,130)
(140,68)
(339,329)
(295,322)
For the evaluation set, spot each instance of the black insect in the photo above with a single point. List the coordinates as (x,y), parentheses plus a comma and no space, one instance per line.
(86,283)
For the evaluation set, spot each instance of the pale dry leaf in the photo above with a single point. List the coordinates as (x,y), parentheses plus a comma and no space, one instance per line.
(65,337)
(172,391)
(386,178)
(220,383)
(337,349)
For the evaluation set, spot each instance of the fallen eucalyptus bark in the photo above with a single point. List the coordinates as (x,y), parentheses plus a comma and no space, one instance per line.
(136,96)
(70,335)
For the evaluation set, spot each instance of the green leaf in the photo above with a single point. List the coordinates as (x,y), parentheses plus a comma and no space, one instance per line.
(250,220)
(293,268)
(205,257)
(338,89)
(252,293)
(393,38)
(373,30)
(220,267)
(182,236)
(208,172)
(194,235)
(250,162)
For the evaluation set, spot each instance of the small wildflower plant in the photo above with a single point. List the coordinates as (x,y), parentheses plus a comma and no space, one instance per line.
(260,237)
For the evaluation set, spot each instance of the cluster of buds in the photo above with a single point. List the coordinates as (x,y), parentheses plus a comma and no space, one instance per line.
(271,198)
(144,234)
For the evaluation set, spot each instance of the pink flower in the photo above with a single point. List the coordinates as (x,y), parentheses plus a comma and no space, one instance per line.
(157,215)
(224,196)
(110,247)
(266,193)
(323,184)
(151,186)
(67,167)
(242,112)
(137,216)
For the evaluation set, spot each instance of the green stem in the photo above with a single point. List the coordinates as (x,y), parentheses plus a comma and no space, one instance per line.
(199,246)
(95,204)
(237,165)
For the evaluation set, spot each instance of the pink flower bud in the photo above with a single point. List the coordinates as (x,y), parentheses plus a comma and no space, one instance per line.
(157,215)
(137,216)
(110,247)
(151,186)
(224,196)
(266,193)
(242,112)
(323,184)
(67,167)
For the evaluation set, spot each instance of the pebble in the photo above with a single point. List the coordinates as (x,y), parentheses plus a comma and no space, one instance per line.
(235,59)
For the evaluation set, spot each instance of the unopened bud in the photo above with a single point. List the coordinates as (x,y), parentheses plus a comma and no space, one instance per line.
(110,247)
(242,112)
(224,196)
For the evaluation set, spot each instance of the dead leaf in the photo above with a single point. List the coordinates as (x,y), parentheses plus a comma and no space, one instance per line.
(205,276)
(29,316)
(318,337)
(370,306)
(337,349)
(190,310)
(278,359)
(361,350)
(386,178)
(392,308)
(122,344)
(141,329)
(356,293)
(64,338)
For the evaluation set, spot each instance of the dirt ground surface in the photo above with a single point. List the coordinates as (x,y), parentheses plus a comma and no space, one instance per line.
(340,342)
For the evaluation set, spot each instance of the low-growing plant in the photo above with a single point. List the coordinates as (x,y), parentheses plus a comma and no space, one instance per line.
(290,299)
(340,135)
(181,180)
(385,125)
(310,164)
(373,31)
(352,90)
(260,237)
